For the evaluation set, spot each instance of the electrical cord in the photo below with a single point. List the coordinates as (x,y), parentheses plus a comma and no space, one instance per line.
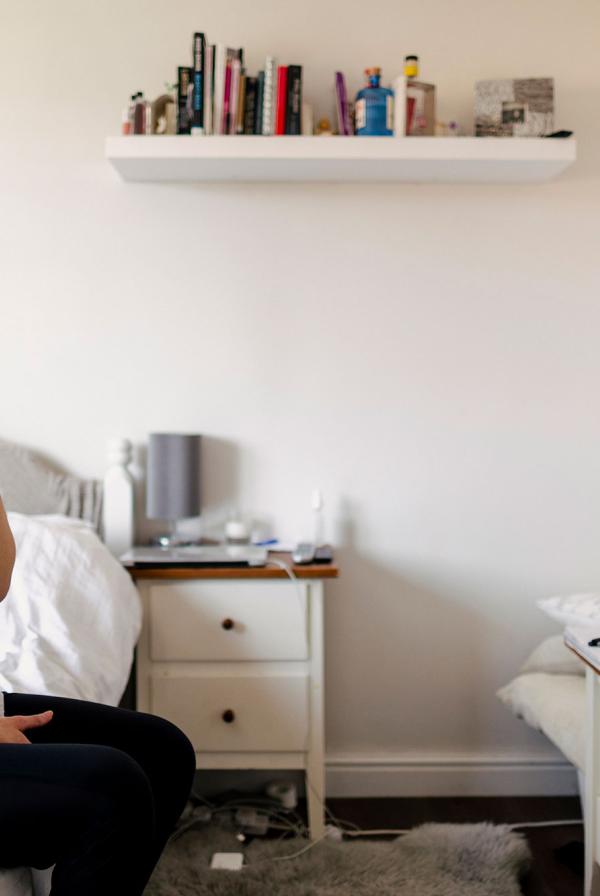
(554,823)
(281,564)
(300,852)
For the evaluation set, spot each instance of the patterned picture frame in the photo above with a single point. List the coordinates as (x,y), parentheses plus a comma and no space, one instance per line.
(519,107)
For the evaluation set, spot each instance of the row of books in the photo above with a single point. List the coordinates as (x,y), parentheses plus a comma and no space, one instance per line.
(215,95)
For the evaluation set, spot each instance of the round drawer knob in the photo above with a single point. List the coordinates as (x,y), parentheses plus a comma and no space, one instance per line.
(228,716)
(227,624)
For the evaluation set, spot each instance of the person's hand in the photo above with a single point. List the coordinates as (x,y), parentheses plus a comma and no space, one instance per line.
(12,727)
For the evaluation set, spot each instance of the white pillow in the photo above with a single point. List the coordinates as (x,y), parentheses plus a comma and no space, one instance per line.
(553,657)
(555,705)
(572,609)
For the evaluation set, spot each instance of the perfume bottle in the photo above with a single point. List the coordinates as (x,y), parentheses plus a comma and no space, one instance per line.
(139,114)
(374,107)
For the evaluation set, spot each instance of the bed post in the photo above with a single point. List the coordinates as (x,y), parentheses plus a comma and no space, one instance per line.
(118,498)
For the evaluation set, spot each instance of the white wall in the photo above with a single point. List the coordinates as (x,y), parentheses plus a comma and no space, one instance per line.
(427,355)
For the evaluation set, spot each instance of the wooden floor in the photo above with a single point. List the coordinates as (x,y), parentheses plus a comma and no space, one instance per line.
(550,874)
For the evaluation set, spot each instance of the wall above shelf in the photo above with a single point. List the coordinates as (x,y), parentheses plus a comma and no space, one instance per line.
(340,159)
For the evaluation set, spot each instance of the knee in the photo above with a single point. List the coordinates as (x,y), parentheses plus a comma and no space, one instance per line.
(172,746)
(118,778)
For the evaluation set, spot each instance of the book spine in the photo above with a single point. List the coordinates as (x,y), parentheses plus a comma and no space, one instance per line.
(219,88)
(268,111)
(250,100)
(226,99)
(293,123)
(281,100)
(239,123)
(198,51)
(308,125)
(209,55)
(260,93)
(184,79)
(234,94)
(342,104)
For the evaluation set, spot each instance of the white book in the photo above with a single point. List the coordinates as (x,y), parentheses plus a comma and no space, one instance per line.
(208,89)
(268,116)
(236,71)
(307,120)
(219,87)
(399,88)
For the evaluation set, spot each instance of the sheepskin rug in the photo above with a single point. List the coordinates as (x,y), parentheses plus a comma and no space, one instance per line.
(432,860)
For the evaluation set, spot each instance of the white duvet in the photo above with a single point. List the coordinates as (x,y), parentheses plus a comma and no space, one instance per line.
(71,619)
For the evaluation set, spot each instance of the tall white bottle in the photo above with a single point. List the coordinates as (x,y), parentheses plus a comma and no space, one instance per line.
(399,86)
(117,503)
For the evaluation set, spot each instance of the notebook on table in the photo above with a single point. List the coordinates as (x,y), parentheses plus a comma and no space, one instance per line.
(222,555)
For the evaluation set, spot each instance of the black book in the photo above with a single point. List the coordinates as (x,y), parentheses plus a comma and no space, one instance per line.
(184,80)
(198,82)
(293,120)
(250,105)
(260,92)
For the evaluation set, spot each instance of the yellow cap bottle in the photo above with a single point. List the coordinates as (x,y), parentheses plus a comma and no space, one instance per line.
(411,66)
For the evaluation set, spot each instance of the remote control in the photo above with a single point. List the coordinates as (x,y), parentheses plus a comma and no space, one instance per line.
(323,554)
(304,553)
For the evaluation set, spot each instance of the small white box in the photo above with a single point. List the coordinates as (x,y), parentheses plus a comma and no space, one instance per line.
(227,861)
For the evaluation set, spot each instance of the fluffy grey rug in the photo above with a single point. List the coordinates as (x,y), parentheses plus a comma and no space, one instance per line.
(433,860)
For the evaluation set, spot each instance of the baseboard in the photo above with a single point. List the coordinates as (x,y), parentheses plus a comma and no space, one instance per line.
(376,775)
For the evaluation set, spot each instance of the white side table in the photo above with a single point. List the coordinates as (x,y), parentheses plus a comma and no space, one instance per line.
(234,657)
(578,639)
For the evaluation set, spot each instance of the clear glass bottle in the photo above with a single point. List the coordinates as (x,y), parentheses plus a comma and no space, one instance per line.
(374,107)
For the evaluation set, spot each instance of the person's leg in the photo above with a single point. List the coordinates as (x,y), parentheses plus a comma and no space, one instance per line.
(162,751)
(87,810)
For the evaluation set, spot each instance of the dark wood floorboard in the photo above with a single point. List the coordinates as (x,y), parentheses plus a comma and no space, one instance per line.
(548,876)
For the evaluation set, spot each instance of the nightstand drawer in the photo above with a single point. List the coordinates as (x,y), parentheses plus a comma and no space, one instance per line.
(226,621)
(237,714)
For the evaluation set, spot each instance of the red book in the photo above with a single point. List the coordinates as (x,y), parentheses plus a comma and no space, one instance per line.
(281,107)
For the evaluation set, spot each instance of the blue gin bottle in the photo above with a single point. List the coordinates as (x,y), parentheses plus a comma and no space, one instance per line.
(374,107)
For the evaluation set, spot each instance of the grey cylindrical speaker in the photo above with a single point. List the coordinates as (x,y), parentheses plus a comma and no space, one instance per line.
(173,486)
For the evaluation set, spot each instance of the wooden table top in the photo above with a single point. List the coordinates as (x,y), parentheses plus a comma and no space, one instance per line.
(308,571)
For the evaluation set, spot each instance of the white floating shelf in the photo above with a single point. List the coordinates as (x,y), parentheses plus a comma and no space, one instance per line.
(344,159)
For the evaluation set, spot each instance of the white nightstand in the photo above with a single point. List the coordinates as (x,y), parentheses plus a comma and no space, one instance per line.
(234,657)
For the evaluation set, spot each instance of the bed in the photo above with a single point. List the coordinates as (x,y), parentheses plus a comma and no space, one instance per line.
(72,617)
(549,694)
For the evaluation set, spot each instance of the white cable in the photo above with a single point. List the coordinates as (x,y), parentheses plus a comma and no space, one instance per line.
(555,823)
(295,855)
(376,832)
(281,564)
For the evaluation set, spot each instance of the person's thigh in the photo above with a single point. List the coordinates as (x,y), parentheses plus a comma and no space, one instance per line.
(84,722)
(58,801)
(161,749)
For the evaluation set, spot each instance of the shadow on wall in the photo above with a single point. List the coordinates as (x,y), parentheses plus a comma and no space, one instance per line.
(219,478)
(406,639)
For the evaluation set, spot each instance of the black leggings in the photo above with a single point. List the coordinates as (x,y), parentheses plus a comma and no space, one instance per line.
(97,794)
